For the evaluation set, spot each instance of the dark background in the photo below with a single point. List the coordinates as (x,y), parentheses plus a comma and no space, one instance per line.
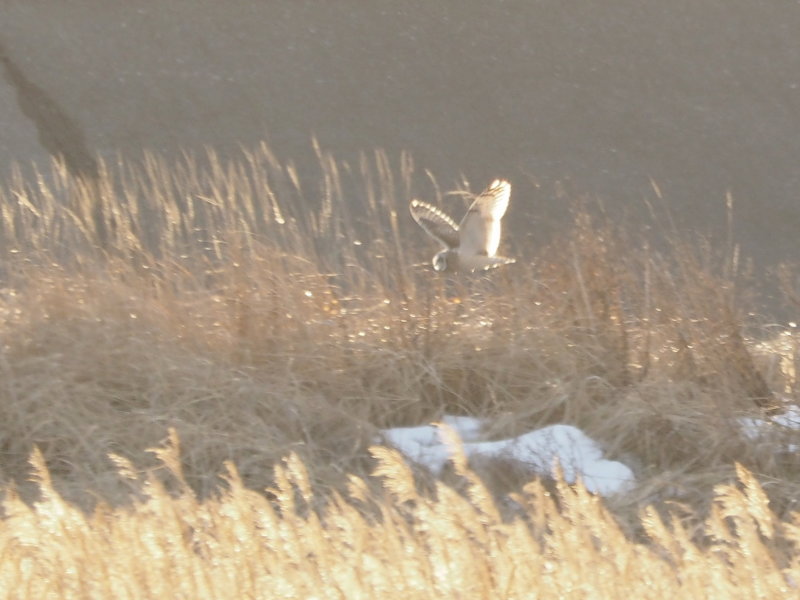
(594,99)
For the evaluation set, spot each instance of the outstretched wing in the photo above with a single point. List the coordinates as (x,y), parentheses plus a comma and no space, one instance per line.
(435,223)
(480,227)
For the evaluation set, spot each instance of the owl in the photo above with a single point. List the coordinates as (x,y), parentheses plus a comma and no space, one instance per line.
(472,244)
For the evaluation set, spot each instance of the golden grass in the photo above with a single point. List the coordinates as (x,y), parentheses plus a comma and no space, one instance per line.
(394,542)
(263,317)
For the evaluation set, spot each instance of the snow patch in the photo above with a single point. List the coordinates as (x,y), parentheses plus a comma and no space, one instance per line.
(539,450)
(757,429)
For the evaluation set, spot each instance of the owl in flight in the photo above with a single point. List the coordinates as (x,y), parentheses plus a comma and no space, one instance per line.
(472,244)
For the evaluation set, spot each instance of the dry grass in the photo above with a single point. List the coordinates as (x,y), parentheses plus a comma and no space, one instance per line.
(260,318)
(390,543)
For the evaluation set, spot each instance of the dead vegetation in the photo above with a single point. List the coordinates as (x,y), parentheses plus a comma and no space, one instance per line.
(261,316)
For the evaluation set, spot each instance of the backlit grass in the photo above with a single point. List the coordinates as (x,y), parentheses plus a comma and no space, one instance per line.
(261,315)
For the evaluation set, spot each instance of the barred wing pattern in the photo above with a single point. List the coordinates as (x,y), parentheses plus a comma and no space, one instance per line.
(471,245)
(436,223)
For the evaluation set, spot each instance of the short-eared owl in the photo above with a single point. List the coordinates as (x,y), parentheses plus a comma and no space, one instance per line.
(471,245)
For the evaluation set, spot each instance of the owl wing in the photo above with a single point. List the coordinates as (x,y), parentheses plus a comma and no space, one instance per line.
(480,227)
(437,224)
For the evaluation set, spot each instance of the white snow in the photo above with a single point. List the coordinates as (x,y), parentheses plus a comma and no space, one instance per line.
(756,429)
(539,450)
(469,428)
(790,418)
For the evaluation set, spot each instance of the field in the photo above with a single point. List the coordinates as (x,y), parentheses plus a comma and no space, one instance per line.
(198,359)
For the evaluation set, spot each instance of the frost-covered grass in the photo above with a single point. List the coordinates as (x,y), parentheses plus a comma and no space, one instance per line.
(260,315)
